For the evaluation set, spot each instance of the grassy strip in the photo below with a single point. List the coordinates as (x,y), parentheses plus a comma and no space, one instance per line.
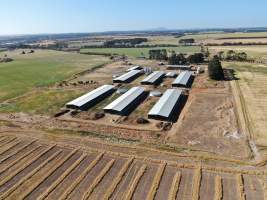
(28,176)
(61,178)
(130,190)
(240,187)
(10,146)
(175,186)
(81,177)
(24,165)
(196,184)
(118,179)
(97,180)
(218,188)
(34,185)
(17,151)
(156,182)
(3,169)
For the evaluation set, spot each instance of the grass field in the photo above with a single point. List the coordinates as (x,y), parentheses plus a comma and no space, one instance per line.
(40,69)
(44,102)
(253,87)
(224,35)
(135,52)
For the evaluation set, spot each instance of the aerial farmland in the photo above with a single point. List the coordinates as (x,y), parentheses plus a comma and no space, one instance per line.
(138,115)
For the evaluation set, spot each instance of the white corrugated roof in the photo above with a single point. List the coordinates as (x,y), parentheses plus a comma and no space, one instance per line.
(127,75)
(153,77)
(166,103)
(123,101)
(79,102)
(134,68)
(183,78)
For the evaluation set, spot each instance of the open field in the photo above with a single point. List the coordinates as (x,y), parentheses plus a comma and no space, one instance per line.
(135,52)
(40,69)
(42,169)
(253,95)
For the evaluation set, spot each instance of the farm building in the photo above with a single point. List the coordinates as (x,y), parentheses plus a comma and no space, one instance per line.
(183,80)
(127,102)
(178,67)
(90,99)
(153,78)
(127,77)
(171,75)
(135,68)
(166,105)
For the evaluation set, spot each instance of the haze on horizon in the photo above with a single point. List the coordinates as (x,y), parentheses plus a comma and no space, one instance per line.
(73,16)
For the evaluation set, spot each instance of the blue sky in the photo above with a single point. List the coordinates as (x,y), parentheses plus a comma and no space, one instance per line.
(62,16)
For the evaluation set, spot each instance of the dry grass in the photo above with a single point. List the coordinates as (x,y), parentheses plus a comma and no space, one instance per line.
(97,180)
(218,188)
(9,146)
(196,183)
(130,190)
(61,178)
(118,179)
(156,182)
(28,176)
(47,174)
(24,165)
(240,187)
(17,151)
(81,177)
(175,186)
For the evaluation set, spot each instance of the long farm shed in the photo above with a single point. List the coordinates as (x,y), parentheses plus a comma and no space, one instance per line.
(127,77)
(125,103)
(165,106)
(91,98)
(153,78)
(183,79)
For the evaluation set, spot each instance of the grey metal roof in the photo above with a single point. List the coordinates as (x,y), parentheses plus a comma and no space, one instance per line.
(183,78)
(171,74)
(179,66)
(127,75)
(123,101)
(134,68)
(79,102)
(152,78)
(166,103)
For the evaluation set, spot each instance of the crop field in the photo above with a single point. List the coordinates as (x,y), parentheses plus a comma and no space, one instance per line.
(41,169)
(135,52)
(40,69)
(253,92)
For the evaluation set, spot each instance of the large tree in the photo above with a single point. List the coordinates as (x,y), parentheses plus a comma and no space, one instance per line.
(215,69)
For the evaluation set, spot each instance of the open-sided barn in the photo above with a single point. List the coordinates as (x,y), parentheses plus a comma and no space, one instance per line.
(183,80)
(153,78)
(165,106)
(90,99)
(125,103)
(127,77)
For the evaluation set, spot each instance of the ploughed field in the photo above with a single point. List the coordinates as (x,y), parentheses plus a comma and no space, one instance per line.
(41,169)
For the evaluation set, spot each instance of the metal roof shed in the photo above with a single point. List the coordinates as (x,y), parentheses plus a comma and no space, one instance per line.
(183,79)
(153,78)
(125,103)
(165,106)
(134,68)
(91,98)
(127,77)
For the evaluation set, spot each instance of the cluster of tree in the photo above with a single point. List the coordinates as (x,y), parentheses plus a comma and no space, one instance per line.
(158,54)
(5,59)
(237,44)
(215,69)
(124,42)
(176,59)
(180,59)
(187,41)
(231,55)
